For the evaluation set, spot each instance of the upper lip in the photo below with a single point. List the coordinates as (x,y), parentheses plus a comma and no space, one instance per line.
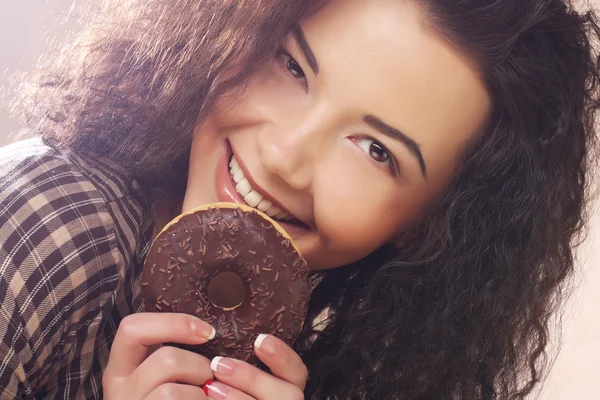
(260,190)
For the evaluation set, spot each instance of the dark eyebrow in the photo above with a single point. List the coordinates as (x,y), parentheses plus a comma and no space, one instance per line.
(394,133)
(306,50)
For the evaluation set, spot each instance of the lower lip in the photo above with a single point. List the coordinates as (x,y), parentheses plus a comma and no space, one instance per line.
(226,192)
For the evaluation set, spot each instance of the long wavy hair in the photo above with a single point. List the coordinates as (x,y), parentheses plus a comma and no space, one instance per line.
(459,312)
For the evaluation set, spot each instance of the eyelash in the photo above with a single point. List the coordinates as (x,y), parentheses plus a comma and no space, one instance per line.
(285,57)
(393,166)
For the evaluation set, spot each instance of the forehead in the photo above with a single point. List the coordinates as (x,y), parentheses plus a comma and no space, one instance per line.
(377,57)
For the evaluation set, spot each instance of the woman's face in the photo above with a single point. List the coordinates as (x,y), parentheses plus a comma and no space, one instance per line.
(352,130)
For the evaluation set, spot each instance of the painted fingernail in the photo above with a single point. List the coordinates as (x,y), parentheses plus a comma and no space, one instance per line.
(203,330)
(216,390)
(206,385)
(266,345)
(223,366)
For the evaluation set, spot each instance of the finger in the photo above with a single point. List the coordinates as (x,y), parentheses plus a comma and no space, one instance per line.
(283,362)
(220,391)
(251,380)
(168,364)
(138,332)
(176,391)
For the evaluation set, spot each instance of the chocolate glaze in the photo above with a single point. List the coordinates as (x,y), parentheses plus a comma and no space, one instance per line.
(201,245)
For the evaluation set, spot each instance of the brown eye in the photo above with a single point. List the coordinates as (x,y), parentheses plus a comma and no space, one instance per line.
(292,66)
(378,152)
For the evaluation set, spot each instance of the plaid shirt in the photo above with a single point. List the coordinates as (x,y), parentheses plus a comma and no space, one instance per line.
(72,242)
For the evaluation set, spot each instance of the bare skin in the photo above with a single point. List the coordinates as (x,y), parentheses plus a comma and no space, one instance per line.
(354,139)
(311,139)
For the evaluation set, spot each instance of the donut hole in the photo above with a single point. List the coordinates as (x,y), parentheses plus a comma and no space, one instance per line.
(227,290)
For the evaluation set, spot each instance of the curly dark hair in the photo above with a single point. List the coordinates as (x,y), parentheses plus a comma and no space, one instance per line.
(461,311)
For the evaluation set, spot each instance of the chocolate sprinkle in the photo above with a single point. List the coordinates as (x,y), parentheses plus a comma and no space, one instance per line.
(229,240)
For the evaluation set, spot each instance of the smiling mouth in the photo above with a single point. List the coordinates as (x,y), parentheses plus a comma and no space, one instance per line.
(254,198)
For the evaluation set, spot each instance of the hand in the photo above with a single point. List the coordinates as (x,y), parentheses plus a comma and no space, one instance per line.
(133,373)
(241,381)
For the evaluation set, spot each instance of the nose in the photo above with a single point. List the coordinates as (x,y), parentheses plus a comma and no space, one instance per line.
(291,150)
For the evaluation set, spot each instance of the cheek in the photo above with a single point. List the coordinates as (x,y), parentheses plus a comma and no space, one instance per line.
(205,155)
(358,208)
(360,211)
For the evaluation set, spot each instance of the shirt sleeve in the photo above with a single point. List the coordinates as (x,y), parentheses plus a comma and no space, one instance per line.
(60,265)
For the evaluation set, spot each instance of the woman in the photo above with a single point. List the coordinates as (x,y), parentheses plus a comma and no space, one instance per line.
(428,157)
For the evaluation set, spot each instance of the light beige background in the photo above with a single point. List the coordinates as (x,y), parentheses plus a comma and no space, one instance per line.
(29,27)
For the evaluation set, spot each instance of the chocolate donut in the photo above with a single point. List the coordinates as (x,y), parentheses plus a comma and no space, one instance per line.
(234,267)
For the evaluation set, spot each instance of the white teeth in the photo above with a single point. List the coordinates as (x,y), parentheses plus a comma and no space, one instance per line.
(243,187)
(238,176)
(251,196)
(235,171)
(264,205)
(273,211)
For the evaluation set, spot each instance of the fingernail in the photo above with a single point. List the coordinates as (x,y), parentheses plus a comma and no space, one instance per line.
(223,366)
(206,385)
(266,345)
(216,390)
(203,330)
